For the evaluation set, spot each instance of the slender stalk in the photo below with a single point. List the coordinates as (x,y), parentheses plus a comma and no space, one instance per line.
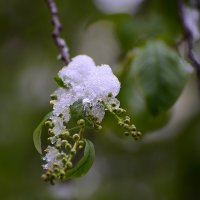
(56,34)
(189,40)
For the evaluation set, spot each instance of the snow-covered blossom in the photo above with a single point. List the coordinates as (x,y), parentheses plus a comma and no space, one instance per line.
(86,82)
(89,81)
(52,158)
(95,88)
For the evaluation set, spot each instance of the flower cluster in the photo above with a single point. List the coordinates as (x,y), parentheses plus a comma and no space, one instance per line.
(95,88)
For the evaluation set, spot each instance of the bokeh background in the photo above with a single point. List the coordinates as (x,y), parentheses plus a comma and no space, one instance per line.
(164,165)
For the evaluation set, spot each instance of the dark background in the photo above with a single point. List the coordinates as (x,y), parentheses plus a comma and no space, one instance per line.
(164,165)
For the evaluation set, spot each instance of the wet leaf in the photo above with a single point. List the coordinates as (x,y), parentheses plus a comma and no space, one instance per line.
(37,133)
(82,167)
(161,75)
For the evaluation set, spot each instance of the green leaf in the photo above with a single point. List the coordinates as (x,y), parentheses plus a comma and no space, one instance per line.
(76,110)
(37,133)
(137,109)
(59,81)
(84,164)
(161,75)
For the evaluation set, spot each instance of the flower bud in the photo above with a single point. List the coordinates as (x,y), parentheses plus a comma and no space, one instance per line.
(76,137)
(81,122)
(132,127)
(126,126)
(48,123)
(99,127)
(127,119)
(73,152)
(52,102)
(53,97)
(120,123)
(68,146)
(44,177)
(81,142)
(113,104)
(69,164)
(64,142)
(80,146)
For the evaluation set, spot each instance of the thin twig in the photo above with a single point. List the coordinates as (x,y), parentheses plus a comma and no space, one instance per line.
(189,40)
(56,34)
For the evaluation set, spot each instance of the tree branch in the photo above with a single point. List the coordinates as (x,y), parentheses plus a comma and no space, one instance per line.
(189,40)
(56,34)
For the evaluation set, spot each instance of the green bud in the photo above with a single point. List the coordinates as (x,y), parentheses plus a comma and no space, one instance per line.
(55,165)
(123,110)
(62,154)
(44,177)
(50,171)
(46,150)
(81,122)
(56,169)
(68,146)
(118,111)
(127,120)
(139,134)
(65,134)
(52,102)
(114,109)
(48,123)
(113,104)
(80,146)
(132,127)
(126,126)
(51,132)
(69,164)
(64,142)
(76,137)
(99,127)
(48,174)
(120,123)
(64,160)
(60,115)
(58,146)
(73,152)
(53,97)
(62,174)
(133,133)
(81,142)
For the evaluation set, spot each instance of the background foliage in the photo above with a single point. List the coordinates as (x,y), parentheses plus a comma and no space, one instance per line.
(164,165)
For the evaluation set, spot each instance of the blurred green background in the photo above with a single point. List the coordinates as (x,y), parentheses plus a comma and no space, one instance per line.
(164,165)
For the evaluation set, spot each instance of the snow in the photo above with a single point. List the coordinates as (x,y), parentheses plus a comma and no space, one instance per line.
(52,158)
(89,83)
